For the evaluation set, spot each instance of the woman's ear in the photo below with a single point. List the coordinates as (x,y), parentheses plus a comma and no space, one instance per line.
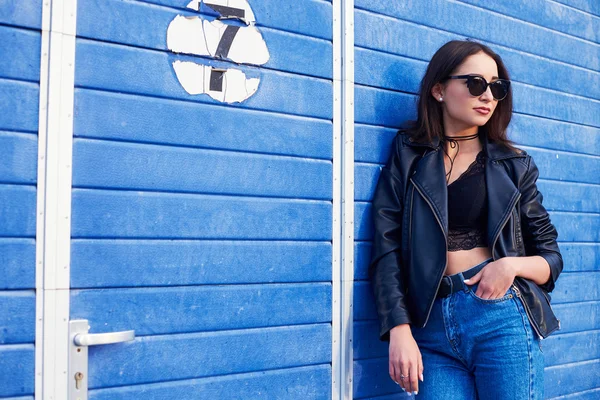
(436,91)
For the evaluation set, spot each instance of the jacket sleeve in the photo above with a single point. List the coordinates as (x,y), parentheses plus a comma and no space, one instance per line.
(539,234)
(385,268)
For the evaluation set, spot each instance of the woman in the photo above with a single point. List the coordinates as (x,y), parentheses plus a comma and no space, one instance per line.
(464,253)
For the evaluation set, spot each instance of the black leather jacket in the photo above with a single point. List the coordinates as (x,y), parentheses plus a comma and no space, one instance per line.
(410,216)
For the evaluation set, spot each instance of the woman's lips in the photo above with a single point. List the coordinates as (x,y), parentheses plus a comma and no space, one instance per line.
(482,111)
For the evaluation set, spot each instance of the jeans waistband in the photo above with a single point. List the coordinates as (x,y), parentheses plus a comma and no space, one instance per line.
(453,283)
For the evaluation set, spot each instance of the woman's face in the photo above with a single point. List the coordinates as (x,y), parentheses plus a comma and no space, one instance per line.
(458,104)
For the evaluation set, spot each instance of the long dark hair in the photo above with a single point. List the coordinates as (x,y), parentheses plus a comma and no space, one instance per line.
(429,123)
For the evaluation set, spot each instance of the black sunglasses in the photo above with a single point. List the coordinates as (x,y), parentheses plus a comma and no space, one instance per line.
(477,85)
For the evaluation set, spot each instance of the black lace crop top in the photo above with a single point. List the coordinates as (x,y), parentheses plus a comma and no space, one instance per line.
(467,208)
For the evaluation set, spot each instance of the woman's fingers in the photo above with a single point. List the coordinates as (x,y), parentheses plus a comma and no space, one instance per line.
(393,374)
(395,370)
(406,380)
(414,377)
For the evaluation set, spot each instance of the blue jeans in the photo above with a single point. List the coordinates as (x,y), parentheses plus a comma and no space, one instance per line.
(474,348)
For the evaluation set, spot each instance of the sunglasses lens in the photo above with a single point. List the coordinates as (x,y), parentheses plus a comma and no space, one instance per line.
(499,89)
(476,85)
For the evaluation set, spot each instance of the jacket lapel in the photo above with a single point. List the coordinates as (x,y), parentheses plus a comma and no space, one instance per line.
(430,177)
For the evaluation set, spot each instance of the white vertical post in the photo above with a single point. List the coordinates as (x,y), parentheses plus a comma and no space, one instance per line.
(336,300)
(343,198)
(348,198)
(53,230)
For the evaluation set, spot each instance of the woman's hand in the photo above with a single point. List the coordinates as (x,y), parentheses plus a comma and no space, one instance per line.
(494,279)
(405,358)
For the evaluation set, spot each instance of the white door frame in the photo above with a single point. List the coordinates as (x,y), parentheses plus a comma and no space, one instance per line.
(343,199)
(53,214)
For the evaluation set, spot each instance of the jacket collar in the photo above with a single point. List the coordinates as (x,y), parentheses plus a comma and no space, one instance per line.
(430,176)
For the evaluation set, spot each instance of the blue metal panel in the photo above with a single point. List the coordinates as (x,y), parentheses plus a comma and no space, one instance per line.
(126,69)
(591,7)
(148,120)
(17,316)
(375,143)
(363,346)
(128,22)
(20,41)
(307,17)
(288,383)
(204,226)
(574,378)
(132,263)
(135,166)
(550,15)
(17,263)
(17,210)
(194,355)
(156,311)
(19,105)
(23,63)
(450,17)
(374,371)
(26,13)
(18,157)
(124,214)
(365,305)
(362,255)
(17,363)
(366,176)
(362,221)
(382,107)
(140,119)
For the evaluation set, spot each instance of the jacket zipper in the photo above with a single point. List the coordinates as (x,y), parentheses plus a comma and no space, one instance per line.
(445,252)
(514,238)
(533,323)
(503,225)
(518,226)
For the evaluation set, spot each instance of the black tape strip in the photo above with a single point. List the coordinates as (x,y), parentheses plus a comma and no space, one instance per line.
(216,80)
(227,11)
(226,40)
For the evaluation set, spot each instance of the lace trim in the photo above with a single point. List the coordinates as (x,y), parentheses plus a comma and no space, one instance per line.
(466,239)
(475,167)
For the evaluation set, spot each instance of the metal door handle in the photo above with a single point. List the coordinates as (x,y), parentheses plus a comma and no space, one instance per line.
(79,341)
(93,339)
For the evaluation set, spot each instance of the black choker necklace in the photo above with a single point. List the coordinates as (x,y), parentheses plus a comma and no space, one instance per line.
(453,140)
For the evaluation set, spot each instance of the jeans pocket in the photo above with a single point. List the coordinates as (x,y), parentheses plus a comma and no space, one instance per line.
(472,289)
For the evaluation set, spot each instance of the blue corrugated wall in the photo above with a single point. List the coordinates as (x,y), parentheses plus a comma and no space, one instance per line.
(552,51)
(206,227)
(20,43)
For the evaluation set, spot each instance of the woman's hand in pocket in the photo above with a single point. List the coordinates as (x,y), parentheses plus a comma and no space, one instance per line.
(494,279)
(405,358)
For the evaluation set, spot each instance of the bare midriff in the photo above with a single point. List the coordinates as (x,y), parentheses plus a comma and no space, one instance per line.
(462,260)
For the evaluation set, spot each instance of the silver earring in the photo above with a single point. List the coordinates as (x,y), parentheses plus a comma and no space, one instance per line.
(440,99)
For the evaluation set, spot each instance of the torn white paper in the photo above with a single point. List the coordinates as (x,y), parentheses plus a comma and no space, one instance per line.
(196,79)
(240,44)
(239,9)
(194,35)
